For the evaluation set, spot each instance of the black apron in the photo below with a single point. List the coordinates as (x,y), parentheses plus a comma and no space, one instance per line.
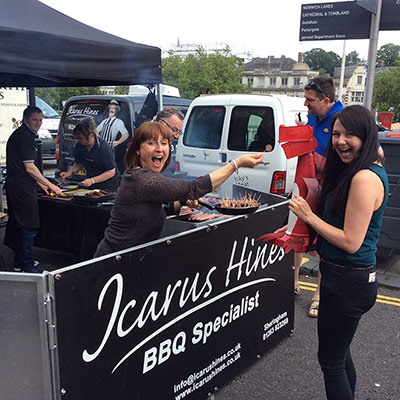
(22,207)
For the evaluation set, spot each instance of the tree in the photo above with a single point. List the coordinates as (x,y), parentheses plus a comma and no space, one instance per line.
(387,92)
(54,96)
(352,58)
(318,59)
(122,89)
(199,73)
(388,54)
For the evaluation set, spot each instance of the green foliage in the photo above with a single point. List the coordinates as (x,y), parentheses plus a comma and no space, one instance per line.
(318,59)
(387,92)
(352,58)
(389,54)
(55,96)
(199,73)
(322,72)
(122,89)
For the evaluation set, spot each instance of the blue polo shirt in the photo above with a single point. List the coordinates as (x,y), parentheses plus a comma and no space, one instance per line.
(322,129)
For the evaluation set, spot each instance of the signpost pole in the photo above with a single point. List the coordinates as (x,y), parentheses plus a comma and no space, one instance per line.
(373,45)
(342,72)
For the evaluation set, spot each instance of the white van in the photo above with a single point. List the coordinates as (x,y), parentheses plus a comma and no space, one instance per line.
(219,128)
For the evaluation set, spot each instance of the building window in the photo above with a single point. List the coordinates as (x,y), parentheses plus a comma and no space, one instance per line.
(296,81)
(284,81)
(250,82)
(357,97)
(272,81)
(359,80)
(261,81)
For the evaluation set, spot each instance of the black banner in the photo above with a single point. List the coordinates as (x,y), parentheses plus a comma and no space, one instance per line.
(175,319)
(390,15)
(333,21)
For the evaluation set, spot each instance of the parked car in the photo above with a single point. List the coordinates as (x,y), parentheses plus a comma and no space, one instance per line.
(133,111)
(49,129)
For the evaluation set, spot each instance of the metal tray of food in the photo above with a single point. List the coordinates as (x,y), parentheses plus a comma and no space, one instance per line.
(53,196)
(244,205)
(241,210)
(93,196)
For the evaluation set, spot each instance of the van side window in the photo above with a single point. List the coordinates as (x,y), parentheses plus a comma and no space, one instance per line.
(251,129)
(204,127)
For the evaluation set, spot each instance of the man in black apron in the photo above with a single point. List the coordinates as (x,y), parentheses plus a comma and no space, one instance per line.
(23,176)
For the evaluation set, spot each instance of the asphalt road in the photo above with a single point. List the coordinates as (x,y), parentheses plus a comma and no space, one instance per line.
(291,370)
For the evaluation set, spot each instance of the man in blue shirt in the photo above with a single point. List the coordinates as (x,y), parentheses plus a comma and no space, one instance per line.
(320,100)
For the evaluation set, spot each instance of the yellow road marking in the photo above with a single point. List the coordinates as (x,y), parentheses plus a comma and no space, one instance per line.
(394,301)
(388,302)
(389,298)
(309,284)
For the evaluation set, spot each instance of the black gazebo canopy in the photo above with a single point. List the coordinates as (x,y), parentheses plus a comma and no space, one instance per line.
(41,47)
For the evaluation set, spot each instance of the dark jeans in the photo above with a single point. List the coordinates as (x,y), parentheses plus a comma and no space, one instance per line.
(346,294)
(23,249)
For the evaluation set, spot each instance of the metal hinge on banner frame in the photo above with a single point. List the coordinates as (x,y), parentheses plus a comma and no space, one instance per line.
(51,328)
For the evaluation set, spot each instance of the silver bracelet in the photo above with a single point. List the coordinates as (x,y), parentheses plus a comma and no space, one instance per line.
(92,181)
(234,165)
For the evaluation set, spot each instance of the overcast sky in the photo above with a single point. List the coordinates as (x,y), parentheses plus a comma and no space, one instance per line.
(259,27)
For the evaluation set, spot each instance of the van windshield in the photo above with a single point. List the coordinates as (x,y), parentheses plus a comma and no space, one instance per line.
(204,127)
(48,111)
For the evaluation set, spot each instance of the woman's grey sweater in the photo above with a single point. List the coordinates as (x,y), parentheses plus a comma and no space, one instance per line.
(138,216)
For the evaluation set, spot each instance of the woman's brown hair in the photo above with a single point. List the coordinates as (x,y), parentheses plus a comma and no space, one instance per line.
(146,131)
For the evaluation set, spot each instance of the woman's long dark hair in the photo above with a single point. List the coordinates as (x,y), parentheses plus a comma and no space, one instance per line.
(337,175)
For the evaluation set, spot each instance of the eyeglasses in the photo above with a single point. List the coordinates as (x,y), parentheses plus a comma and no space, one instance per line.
(175,130)
(311,85)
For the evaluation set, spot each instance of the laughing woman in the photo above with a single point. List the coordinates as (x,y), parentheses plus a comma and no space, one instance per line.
(138,214)
(353,198)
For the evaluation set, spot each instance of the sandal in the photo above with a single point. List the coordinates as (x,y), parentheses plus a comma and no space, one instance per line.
(314,307)
(297,289)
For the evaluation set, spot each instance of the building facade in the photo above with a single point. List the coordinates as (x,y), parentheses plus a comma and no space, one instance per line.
(277,75)
(354,81)
(107,90)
